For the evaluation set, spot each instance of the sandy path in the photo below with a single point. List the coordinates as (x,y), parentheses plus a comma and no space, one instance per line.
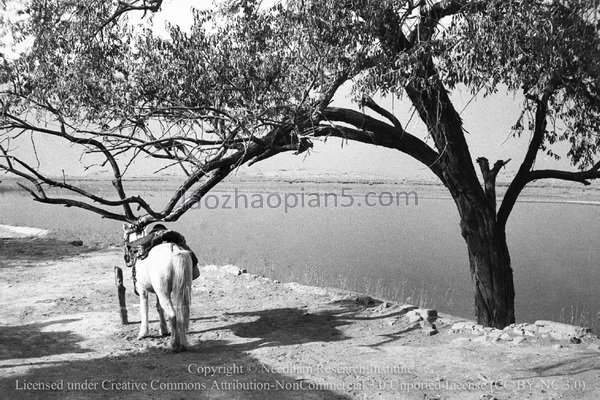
(253,338)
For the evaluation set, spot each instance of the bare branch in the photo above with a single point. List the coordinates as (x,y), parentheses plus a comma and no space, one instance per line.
(40,196)
(370,103)
(37,178)
(498,165)
(373,131)
(124,7)
(79,204)
(522,176)
(580,176)
(489,179)
(117,182)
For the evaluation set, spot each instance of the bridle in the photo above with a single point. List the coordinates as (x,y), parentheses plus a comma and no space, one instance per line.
(130,258)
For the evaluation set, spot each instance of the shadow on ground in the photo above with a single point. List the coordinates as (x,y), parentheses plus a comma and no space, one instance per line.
(571,366)
(293,326)
(30,341)
(28,250)
(212,369)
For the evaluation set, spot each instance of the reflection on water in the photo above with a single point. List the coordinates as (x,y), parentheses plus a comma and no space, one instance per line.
(399,251)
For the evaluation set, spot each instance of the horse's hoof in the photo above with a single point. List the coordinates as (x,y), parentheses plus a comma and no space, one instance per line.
(177,348)
(164,333)
(141,336)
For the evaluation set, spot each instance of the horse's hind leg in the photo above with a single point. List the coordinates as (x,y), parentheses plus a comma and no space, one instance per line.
(143,314)
(161,314)
(169,310)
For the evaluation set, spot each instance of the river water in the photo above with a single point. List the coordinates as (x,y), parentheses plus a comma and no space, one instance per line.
(381,244)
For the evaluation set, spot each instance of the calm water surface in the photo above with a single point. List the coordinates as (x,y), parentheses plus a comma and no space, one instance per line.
(398,252)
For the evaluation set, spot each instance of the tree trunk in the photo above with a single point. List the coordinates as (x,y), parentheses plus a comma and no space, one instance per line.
(491,272)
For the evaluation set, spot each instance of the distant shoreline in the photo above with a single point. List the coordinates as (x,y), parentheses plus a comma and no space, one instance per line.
(7,180)
(334,179)
(548,192)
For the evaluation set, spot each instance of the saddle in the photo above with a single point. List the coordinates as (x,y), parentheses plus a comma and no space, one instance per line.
(139,249)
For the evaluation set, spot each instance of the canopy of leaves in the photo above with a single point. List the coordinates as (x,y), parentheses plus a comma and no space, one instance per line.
(242,69)
(537,47)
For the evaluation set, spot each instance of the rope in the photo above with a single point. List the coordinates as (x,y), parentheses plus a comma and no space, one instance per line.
(130,260)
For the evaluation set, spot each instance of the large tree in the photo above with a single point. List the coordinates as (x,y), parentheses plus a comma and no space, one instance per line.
(246,82)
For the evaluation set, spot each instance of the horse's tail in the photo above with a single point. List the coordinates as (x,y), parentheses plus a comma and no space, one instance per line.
(182,290)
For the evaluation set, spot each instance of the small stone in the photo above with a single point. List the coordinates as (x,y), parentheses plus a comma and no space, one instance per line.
(481,329)
(463,325)
(76,243)
(575,340)
(560,328)
(429,331)
(529,329)
(428,314)
(366,301)
(519,340)
(406,308)
(413,316)
(506,337)
(232,269)
(495,333)
(559,335)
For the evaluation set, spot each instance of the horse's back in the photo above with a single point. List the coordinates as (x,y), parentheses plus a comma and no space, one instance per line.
(156,269)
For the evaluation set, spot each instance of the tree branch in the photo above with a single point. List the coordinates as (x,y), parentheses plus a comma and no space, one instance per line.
(147,5)
(373,131)
(370,103)
(40,196)
(37,178)
(579,176)
(432,15)
(79,204)
(276,141)
(117,182)
(489,179)
(522,176)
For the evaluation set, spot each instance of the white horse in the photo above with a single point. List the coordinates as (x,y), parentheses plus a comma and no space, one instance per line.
(167,272)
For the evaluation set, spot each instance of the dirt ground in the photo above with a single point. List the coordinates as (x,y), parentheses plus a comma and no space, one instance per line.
(255,338)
